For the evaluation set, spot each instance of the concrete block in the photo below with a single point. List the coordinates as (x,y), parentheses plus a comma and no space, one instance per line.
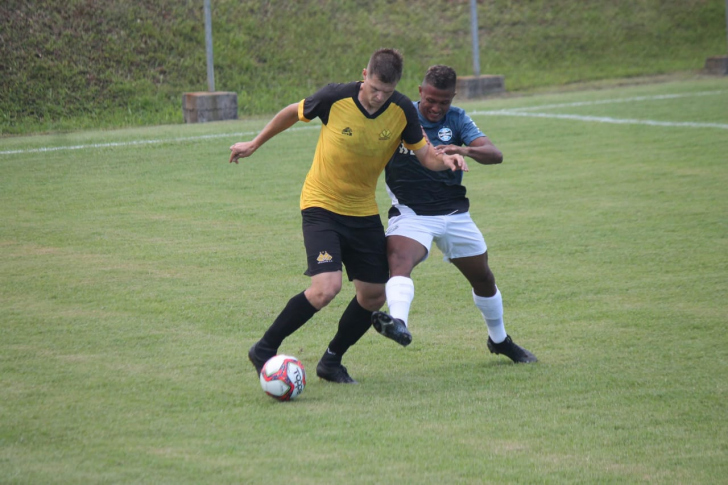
(202,107)
(472,87)
(717,65)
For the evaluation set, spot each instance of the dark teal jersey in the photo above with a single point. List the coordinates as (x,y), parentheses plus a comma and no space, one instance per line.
(424,191)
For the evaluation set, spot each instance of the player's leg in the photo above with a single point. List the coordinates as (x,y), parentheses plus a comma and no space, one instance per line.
(408,242)
(485,292)
(403,254)
(325,268)
(364,255)
(323,289)
(464,245)
(353,324)
(489,301)
(299,310)
(356,319)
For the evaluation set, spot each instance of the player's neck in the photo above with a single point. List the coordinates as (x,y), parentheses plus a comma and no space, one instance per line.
(369,109)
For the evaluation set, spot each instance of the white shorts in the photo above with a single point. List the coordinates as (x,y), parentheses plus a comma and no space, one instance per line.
(456,235)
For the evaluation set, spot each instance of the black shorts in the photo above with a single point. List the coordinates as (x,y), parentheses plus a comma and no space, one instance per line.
(357,243)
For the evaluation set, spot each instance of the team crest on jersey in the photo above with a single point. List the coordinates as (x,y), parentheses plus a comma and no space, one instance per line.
(385,134)
(445,134)
(324,257)
(347,131)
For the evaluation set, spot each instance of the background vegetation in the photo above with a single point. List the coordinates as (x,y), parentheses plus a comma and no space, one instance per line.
(103,63)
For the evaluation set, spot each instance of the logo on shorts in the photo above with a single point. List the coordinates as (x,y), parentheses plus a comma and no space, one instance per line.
(324,257)
(445,134)
(385,134)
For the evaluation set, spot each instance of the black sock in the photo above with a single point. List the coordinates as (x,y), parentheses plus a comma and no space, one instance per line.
(330,358)
(297,312)
(354,323)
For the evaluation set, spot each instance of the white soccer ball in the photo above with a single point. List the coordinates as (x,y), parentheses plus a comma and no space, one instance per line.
(283,377)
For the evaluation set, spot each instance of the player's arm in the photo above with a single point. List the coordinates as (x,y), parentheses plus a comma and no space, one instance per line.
(285,118)
(481,150)
(437,162)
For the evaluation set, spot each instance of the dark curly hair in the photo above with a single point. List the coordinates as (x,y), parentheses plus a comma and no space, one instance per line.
(440,77)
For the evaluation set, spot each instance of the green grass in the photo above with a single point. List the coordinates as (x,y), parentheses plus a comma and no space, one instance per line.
(71,65)
(133,279)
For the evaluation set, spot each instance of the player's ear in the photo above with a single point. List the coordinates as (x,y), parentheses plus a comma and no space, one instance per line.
(364,73)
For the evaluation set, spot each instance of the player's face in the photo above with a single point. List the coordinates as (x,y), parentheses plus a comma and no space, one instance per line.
(374,93)
(434,103)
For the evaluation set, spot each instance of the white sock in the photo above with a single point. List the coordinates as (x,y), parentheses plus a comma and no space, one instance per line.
(492,310)
(400,293)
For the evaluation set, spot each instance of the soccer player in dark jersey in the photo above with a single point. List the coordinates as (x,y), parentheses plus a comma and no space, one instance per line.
(428,205)
(363,124)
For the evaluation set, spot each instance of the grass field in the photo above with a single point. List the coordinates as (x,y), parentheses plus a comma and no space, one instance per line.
(138,266)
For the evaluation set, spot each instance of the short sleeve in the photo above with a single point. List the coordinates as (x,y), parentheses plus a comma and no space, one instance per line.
(469,130)
(318,105)
(412,135)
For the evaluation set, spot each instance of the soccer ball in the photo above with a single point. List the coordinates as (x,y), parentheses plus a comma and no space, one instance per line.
(283,377)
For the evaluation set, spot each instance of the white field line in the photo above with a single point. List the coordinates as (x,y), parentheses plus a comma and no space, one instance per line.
(619,100)
(603,119)
(522,112)
(120,143)
(143,142)
(526,112)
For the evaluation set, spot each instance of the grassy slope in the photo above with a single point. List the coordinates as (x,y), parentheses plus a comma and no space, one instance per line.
(77,64)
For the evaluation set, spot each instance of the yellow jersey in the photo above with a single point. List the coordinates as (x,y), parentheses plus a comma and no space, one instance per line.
(354,147)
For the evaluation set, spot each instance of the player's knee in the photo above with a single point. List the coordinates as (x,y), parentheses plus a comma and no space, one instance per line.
(484,285)
(322,294)
(375,302)
(373,299)
(400,264)
(328,294)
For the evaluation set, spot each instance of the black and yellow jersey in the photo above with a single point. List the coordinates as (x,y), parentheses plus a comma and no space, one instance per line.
(354,147)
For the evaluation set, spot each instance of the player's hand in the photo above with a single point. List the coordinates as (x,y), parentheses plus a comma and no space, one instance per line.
(455,162)
(242,149)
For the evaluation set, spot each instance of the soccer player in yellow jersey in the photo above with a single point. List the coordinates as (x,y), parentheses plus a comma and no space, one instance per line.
(363,123)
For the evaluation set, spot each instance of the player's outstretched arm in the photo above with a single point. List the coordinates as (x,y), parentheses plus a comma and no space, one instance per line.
(481,150)
(437,162)
(285,118)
